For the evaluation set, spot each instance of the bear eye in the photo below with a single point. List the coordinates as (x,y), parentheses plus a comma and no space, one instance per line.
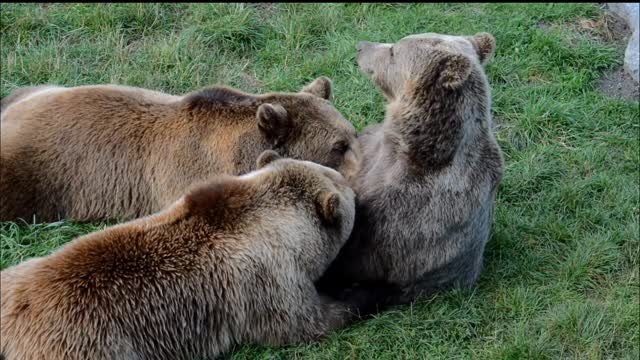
(341,147)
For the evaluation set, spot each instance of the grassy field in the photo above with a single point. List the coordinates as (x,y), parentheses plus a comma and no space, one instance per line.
(561,276)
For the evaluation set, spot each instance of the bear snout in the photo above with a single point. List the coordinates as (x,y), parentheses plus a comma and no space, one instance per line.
(363,45)
(365,58)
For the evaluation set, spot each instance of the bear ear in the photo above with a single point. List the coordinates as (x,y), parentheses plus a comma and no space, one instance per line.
(485,45)
(207,196)
(267,157)
(455,71)
(320,87)
(328,205)
(273,121)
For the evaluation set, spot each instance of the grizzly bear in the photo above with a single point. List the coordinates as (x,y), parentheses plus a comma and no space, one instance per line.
(100,152)
(231,262)
(429,174)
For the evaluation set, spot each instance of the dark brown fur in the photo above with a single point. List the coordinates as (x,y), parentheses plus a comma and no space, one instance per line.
(232,262)
(98,152)
(429,175)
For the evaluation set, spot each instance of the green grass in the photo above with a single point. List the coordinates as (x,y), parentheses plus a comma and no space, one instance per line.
(561,275)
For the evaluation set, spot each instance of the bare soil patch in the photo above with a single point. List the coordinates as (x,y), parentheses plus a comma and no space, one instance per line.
(619,84)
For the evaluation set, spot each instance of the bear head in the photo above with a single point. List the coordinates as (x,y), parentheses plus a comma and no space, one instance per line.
(428,61)
(306,126)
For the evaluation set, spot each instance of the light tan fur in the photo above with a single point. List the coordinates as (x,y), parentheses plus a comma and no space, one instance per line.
(103,151)
(231,262)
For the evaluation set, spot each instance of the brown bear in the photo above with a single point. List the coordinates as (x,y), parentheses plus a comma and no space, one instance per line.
(429,173)
(101,152)
(231,262)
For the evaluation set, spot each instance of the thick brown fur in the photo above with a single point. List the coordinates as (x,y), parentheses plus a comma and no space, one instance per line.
(231,262)
(98,152)
(429,175)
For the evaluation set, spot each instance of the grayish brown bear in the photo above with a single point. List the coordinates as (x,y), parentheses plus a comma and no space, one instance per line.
(427,184)
(231,262)
(98,152)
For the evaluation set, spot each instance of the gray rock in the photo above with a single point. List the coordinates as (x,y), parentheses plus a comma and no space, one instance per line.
(630,12)
(632,56)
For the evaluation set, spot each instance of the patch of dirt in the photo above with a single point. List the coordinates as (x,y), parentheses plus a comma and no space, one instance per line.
(609,28)
(264,10)
(543,25)
(619,84)
(613,29)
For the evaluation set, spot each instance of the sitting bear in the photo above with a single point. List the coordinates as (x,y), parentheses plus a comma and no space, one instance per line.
(91,153)
(231,262)
(429,174)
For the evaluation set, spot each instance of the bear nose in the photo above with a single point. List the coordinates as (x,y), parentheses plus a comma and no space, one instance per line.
(362,45)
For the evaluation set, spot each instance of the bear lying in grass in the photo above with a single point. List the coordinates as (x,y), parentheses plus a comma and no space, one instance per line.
(429,173)
(91,153)
(231,262)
